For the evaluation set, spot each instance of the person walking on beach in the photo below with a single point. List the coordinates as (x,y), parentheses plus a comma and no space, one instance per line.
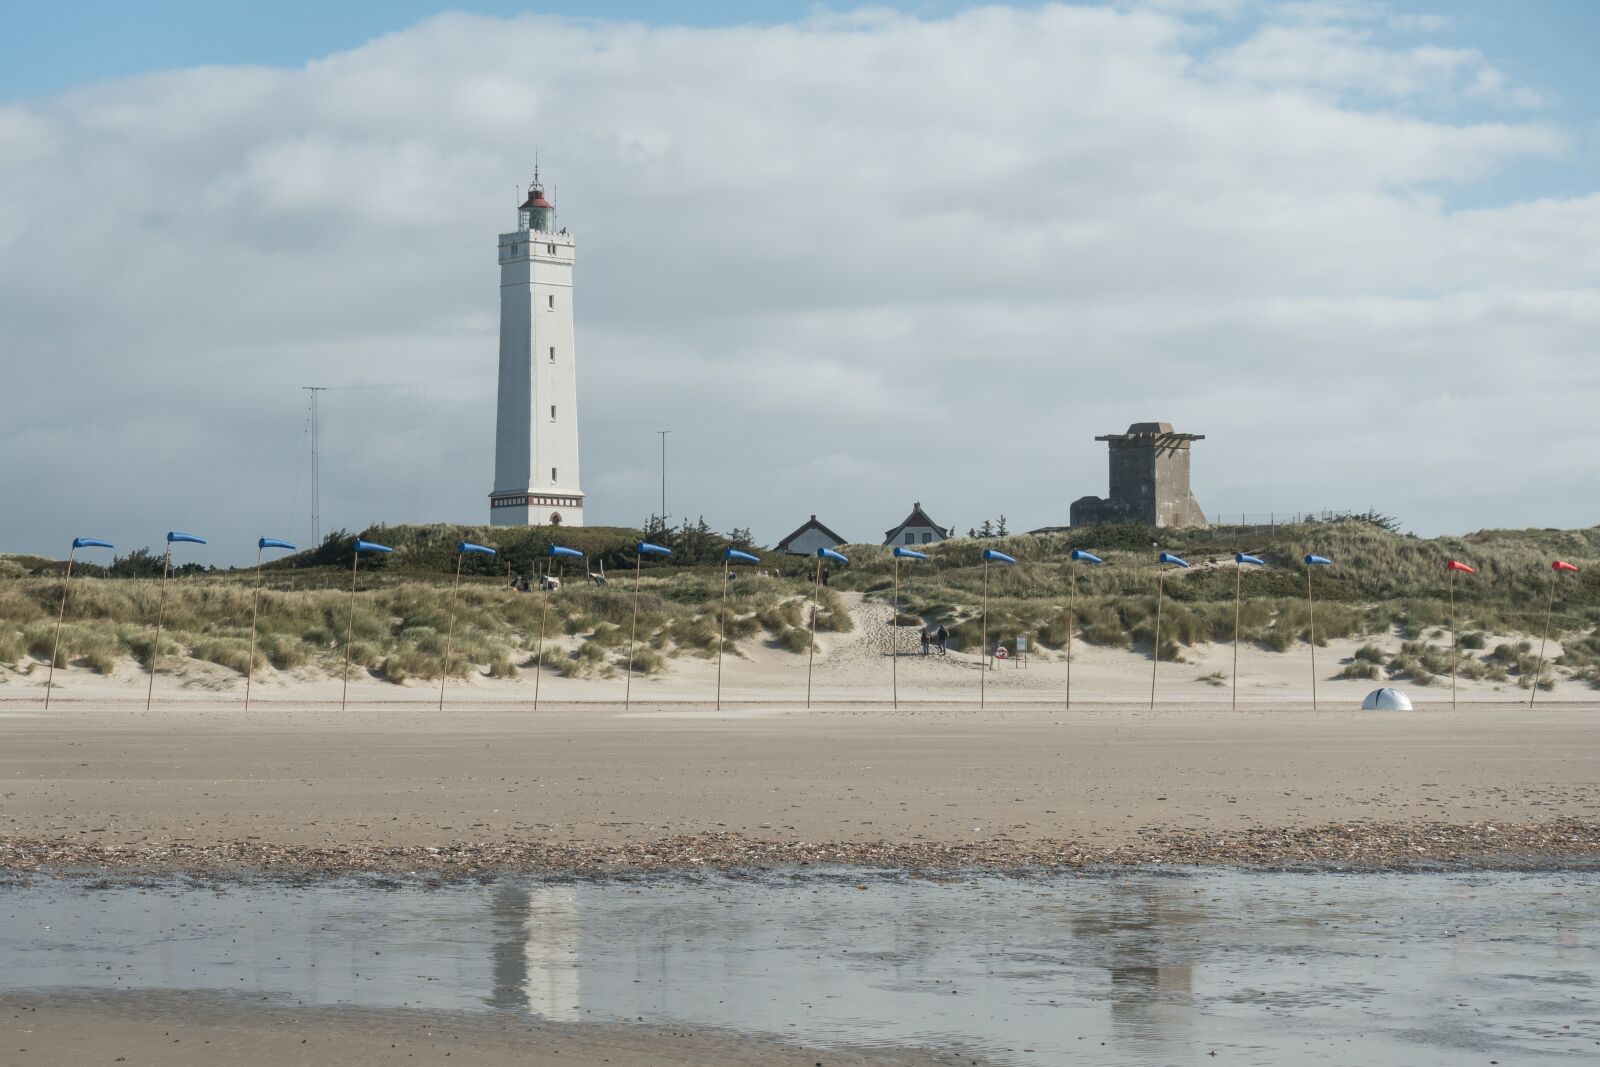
(925,640)
(943,637)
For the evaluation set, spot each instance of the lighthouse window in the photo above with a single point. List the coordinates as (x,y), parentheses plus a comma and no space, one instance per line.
(552,353)
(552,249)
(553,477)
(552,301)
(552,413)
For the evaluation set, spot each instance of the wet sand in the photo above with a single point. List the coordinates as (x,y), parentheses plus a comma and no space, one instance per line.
(585,786)
(201,1029)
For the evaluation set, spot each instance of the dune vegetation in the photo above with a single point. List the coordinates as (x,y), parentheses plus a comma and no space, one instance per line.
(1381,585)
(402,618)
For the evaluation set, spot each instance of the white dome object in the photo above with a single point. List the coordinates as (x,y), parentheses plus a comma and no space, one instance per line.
(1386,699)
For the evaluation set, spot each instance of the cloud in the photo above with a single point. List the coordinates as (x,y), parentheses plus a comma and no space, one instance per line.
(853,262)
(1334,49)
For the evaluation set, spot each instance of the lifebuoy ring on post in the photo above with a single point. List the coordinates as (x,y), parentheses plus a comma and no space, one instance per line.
(1001,653)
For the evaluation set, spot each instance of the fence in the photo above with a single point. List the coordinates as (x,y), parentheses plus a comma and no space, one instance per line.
(1271,520)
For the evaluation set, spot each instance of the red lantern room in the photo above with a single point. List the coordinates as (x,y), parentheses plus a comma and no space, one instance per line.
(536,213)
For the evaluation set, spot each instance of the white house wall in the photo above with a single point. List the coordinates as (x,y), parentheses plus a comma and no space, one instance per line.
(808,543)
(925,535)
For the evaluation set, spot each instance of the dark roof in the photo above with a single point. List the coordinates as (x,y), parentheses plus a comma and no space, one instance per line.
(918,517)
(810,524)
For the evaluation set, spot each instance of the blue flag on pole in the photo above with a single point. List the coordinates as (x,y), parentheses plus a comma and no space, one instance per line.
(1168,557)
(1318,561)
(996,557)
(1081,556)
(739,557)
(273,542)
(371,546)
(1254,561)
(479,550)
(906,553)
(828,553)
(645,548)
(565,553)
(91,542)
(174,535)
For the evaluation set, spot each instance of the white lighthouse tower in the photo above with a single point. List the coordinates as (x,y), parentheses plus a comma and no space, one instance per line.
(536,420)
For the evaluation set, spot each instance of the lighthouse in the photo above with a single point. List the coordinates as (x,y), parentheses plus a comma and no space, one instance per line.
(536,419)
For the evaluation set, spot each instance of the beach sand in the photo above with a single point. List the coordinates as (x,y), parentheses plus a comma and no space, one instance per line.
(206,1030)
(298,787)
(587,786)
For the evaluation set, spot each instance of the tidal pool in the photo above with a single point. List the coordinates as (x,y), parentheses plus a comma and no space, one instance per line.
(1114,968)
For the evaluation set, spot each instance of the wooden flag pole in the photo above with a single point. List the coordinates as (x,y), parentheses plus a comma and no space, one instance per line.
(1072,617)
(255,611)
(544,611)
(1311,632)
(55,646)
(1549,611)
(722,627)
(161,607)
(983,676)
(1454,641)
(450,634)
(350,628)
(1155,652)
(633,632)
(894,636)
(811,652)
(1238,588)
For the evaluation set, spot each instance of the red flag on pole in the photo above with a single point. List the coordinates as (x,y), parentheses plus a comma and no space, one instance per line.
(1457,565)
(1563,565)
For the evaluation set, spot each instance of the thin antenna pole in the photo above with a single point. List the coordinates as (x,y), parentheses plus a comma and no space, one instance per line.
(663,434)
(316,463)
(55,647)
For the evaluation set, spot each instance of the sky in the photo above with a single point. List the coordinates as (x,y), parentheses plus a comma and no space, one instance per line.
(852,257)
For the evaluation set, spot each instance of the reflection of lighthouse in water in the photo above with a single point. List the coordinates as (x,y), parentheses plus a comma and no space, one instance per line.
(536,951)
(1151,985)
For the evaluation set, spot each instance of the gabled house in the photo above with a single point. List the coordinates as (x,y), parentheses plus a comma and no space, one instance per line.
(811,536)
(917,529)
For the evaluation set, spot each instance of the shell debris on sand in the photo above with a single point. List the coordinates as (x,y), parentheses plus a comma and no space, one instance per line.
(1362,845)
